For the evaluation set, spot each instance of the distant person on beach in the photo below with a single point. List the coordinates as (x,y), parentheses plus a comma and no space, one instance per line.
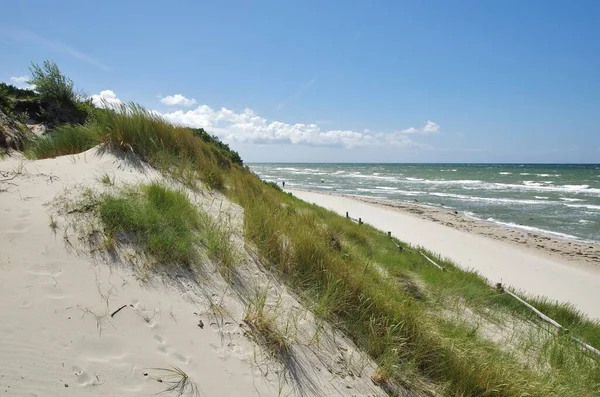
(282,183)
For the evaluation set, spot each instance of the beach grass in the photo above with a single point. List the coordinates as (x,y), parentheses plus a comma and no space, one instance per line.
(65,139)
(264,328)
(401,310)
(162,221)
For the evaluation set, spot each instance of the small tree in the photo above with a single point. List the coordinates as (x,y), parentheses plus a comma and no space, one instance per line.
(60,102)
(51,84)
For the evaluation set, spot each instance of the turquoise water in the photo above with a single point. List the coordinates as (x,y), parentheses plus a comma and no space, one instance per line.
(559,199)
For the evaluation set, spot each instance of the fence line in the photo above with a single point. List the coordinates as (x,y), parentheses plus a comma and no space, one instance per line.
(499,286)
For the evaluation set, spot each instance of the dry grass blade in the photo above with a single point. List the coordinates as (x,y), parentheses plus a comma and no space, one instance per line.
(178,382)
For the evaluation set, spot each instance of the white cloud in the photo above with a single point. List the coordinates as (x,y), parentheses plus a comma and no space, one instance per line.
(178,100)
(106,98)
(21,82)
(429,128)
(248,127)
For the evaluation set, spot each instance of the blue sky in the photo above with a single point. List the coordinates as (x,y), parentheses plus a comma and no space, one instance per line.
(315,81)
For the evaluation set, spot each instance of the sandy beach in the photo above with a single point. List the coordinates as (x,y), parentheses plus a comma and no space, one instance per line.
(561,270)
(75,321)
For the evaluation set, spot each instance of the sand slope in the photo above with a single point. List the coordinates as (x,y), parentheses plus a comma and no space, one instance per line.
(61,333)
(496,260)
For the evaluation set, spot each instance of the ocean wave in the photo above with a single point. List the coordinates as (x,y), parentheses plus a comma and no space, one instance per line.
(445,181)
(588,206)
(388,190)
(505,173)
(571,199)
(542,197)
(532,185)
(374,177)
(488,199)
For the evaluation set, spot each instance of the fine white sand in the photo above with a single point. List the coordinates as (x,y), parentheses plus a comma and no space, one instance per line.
(61,334)
(498,261)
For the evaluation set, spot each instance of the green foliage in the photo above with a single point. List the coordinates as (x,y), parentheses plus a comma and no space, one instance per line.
(162,221)
(60,103)
(274,185)
(9,95)
(51,84)
(393,304)
(213,139)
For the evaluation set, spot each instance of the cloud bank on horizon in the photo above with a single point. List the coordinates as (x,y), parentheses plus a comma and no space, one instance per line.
(248,127)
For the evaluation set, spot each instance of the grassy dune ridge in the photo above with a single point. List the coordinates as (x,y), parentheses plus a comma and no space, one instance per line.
(405,313)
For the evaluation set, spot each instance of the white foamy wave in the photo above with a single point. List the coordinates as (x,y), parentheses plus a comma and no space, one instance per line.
(588,206)
(385,188)
(585,221)
(542,197)
(571,199)
(524,173)
(534,229)
(446,181)
(374,177)
(287,169)
(505,173)
(542,187)
(488,199)
(339,172)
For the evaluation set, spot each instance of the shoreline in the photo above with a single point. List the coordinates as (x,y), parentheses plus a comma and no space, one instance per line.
(496,253)
(539,242)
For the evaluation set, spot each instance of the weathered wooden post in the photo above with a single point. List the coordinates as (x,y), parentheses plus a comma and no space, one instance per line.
(390,234)
(347,214)
(360,221)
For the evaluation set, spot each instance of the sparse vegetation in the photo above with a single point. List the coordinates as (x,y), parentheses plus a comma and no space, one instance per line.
(106,180)
(178,382)
(264,329)
(402,311)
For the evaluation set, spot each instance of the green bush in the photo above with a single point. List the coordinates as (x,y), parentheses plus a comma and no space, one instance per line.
(213,139)
(60,103)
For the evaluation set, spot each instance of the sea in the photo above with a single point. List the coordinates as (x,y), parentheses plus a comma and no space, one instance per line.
(562,200)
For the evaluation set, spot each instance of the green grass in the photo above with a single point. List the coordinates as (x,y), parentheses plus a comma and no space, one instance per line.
(167,226)
(394,305)
(65,139)
(162,221)
(173,149)
(396,315)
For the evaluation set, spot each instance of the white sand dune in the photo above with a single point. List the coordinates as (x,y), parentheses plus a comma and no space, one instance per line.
(61,333)
(498,261)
